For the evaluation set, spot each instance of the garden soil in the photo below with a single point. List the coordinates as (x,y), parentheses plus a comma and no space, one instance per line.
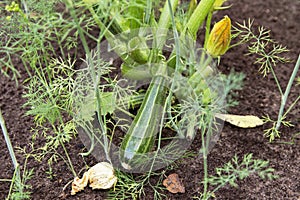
(259,97)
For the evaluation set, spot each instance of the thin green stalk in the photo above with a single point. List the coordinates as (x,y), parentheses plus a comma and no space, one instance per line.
(13,181)
(17,173)
(101,123)
(125,112)
(204,156)
(206,131)
(69,159)
(9,146)
(102,26)
(65,151)
(148,12)
(5,180)
(207,29)
(91,137)
(277,81)
(286,93)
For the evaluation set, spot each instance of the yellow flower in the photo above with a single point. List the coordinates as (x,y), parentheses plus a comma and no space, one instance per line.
(219,38)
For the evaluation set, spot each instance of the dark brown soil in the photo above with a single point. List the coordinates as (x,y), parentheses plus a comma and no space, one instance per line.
(259,97)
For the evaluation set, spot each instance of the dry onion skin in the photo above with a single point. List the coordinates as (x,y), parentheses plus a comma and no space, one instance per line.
(100,176)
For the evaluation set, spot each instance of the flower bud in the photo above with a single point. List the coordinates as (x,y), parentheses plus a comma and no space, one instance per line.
(219,38)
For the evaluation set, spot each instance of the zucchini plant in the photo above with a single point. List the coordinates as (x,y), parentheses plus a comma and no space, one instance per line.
(182,90)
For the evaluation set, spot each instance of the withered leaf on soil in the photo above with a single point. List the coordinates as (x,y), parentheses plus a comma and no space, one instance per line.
(243,121)
(173,184)
(100,176)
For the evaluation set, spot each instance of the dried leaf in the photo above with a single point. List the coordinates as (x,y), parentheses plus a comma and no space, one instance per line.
(100,176)
(247,121)
(173,184)
(79,184)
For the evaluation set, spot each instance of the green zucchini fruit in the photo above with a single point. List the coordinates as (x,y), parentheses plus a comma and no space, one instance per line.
(142,133)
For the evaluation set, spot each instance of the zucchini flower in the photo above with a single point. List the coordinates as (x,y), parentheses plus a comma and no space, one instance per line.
(219,38)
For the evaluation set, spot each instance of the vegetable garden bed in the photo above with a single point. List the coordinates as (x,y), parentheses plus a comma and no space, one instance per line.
(259,96)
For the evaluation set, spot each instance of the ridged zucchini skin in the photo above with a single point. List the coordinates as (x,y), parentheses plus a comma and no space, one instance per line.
(142,133)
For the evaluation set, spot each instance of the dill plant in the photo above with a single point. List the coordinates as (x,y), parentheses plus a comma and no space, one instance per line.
(235,170)
(269,54)
(41,38)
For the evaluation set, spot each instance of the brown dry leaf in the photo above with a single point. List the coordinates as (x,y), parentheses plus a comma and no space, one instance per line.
(173,184)
(102,176)
(79,184)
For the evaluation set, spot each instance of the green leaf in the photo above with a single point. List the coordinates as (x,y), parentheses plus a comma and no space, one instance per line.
(108,103)
(88,107)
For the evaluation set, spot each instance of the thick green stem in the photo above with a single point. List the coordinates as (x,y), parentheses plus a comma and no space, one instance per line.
(164,22)
(198,16)
(291,106)
(286,93)
(166,15)
(148,12)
